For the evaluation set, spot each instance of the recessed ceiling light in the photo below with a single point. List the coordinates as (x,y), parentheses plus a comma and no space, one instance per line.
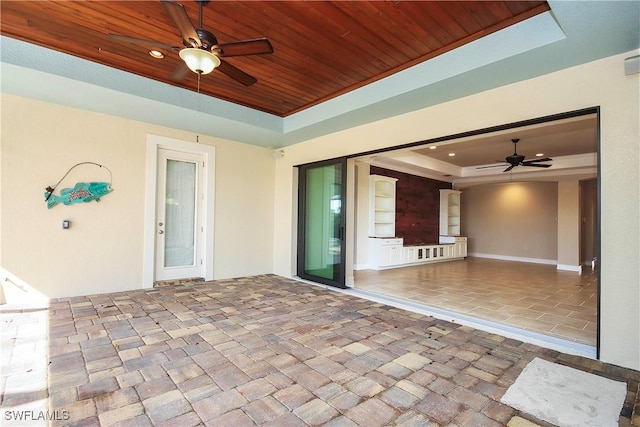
(156,54)
(539,154)
(452,154)
(432,147)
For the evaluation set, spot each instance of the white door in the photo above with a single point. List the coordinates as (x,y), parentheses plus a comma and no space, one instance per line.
(179,209)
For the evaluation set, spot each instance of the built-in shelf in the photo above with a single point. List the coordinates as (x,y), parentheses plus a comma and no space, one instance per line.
(390,253)
(382,206)
(449,212)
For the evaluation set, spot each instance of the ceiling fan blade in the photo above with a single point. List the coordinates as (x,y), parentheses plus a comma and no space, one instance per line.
(180,18)
(180,72)
(491,166)
(546,159)
(536,165)
(509,168)
(236,73)
(244,47)
(142,42)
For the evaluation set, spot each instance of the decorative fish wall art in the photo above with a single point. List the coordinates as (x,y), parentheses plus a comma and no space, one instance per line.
(82,192)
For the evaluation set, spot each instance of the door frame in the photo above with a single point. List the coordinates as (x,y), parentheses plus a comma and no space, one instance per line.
(154,144)
(341,281)
(195,266)
(515,125)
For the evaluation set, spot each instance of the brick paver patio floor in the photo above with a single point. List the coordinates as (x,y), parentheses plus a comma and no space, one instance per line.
(265,351)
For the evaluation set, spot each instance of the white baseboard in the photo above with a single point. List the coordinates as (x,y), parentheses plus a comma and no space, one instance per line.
(361,267)
(514,258)
(563,267)
(568,267)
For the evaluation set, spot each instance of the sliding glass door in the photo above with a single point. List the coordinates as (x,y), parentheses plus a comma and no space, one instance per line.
(321,222)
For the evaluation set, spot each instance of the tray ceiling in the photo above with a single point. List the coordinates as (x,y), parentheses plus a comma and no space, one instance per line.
(321,49)
(571,143)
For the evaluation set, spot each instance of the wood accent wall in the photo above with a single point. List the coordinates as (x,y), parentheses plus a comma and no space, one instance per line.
(417,206)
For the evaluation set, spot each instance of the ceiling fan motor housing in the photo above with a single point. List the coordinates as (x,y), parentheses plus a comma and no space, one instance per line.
(515,159)
(206,37)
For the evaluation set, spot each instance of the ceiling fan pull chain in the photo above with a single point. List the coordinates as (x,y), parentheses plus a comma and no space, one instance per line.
(199,104)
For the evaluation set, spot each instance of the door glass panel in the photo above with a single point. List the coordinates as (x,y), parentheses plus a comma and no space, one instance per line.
(322,219)
(180,211)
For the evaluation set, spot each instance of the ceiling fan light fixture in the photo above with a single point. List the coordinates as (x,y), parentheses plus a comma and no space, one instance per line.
(198,60)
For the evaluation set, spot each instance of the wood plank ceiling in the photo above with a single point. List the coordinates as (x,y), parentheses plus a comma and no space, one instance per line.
(322,49)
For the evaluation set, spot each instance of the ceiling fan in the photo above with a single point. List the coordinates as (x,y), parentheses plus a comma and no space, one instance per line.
(201,51)
(519,160)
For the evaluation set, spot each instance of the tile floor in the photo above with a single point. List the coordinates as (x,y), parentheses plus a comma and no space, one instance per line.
(534,297)
(262,350)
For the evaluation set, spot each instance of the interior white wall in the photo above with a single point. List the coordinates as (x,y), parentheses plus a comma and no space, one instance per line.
(515,220)
(103,249)
(600,83)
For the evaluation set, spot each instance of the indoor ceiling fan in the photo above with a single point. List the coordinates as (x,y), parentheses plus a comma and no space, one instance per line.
(519,160)
(201,51)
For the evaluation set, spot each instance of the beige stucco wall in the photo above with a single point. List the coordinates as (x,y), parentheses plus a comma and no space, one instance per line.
(103,249)
(600,83)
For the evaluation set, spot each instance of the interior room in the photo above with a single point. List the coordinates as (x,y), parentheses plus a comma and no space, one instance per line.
(511,226)
(185,228)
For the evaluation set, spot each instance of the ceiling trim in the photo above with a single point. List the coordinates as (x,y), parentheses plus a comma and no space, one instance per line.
(405,158)
(580,165)
(568,115)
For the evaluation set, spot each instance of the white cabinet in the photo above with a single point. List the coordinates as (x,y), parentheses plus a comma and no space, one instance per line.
(449,212)
(382,206)
(457,244)
(460,247)
(385,252)
(389,253)
(410,254)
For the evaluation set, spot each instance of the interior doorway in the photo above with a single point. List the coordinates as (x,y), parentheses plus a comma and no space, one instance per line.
(589,223)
